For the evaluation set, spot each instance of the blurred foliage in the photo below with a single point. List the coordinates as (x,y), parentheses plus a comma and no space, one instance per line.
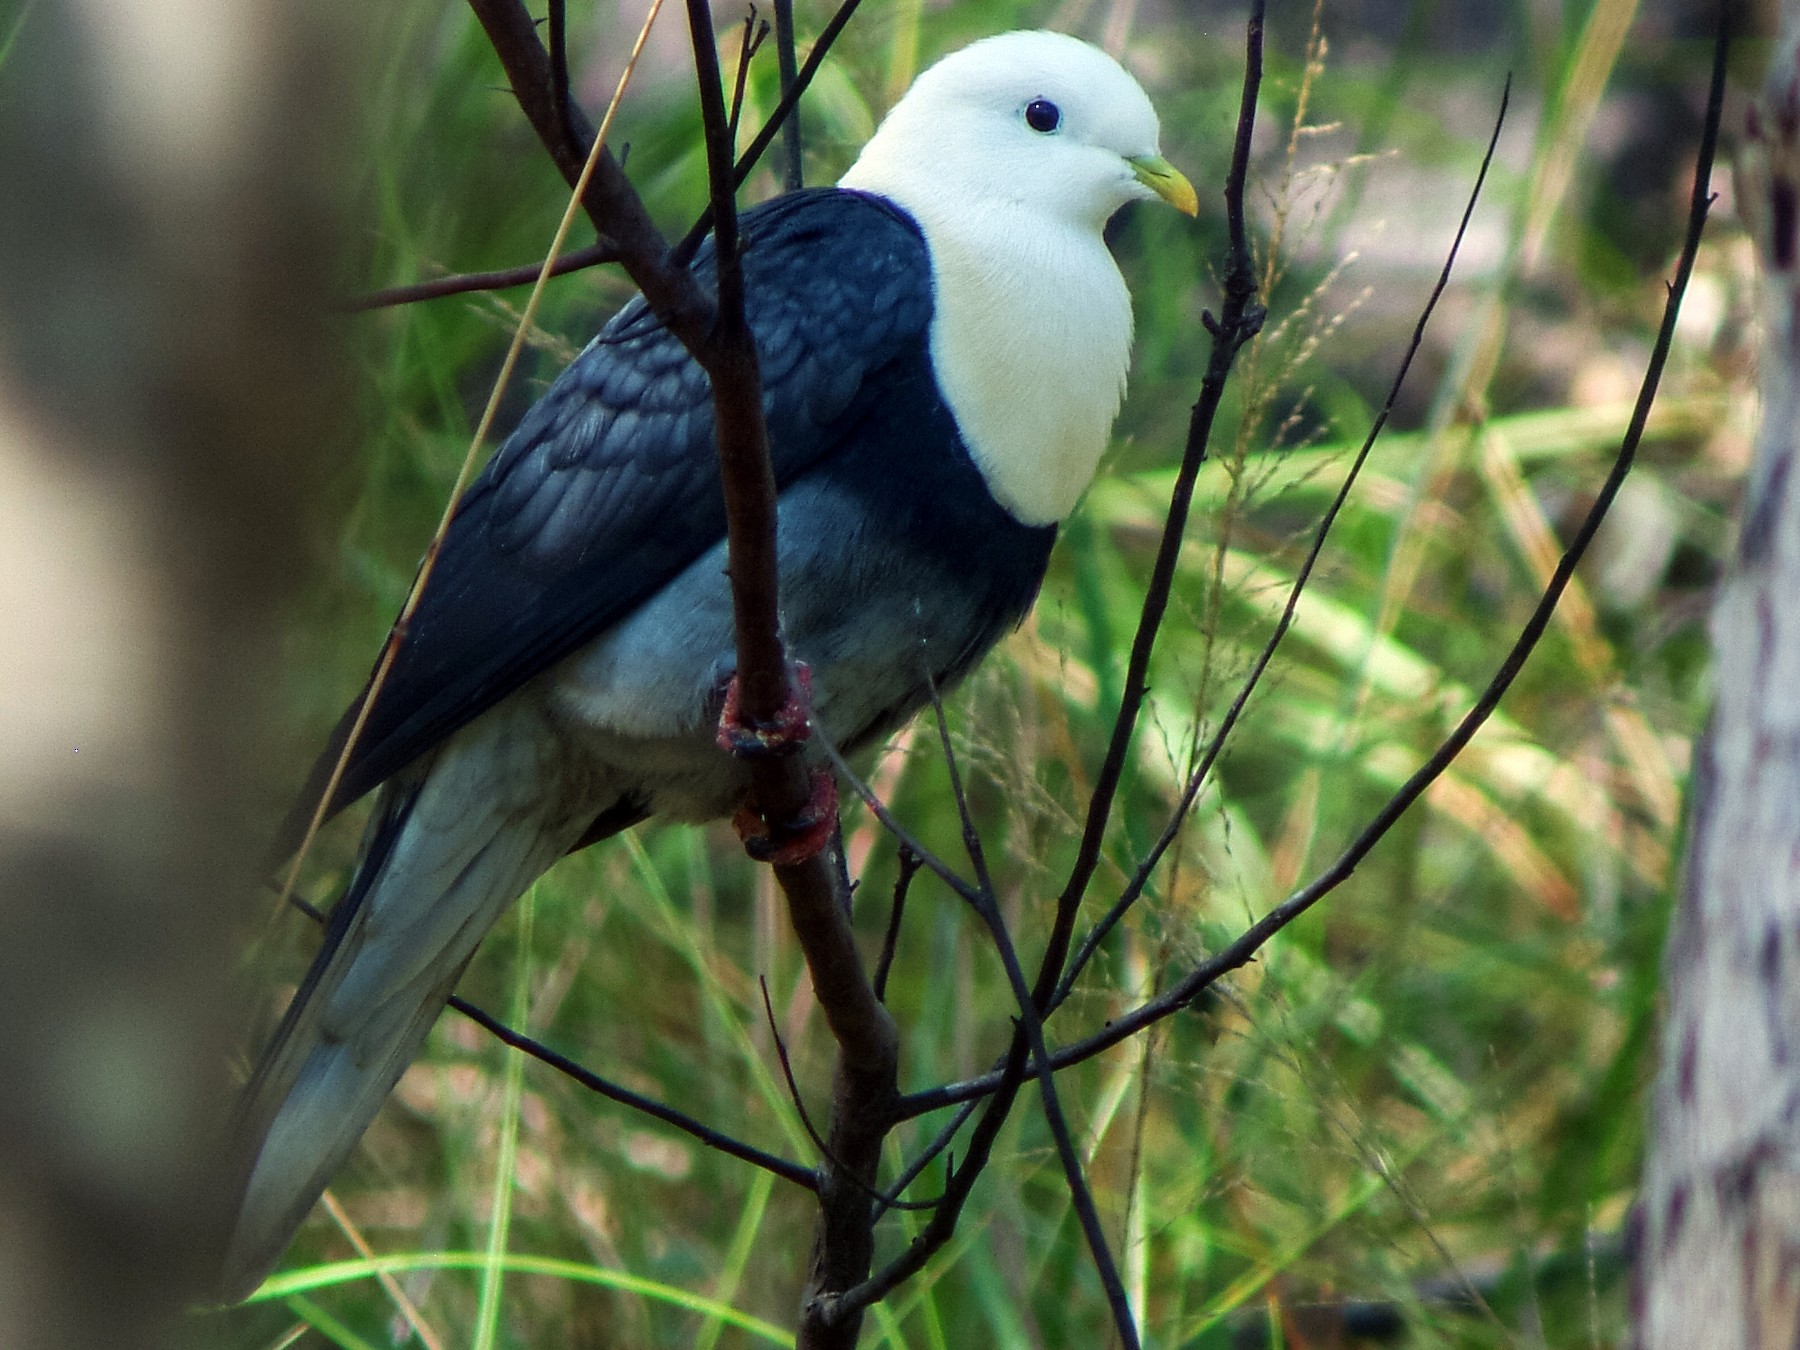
(1432,1083)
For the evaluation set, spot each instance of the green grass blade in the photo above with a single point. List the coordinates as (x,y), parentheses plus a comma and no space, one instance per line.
(487,1316)
(743,1242)
(292,1284)
(326,1325)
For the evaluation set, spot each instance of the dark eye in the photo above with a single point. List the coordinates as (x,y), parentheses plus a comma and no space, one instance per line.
(1043,115)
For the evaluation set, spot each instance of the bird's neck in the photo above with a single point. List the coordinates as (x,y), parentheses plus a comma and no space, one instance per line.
(1030,340)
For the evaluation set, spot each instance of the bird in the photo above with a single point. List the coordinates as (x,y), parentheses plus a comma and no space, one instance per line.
(944,339)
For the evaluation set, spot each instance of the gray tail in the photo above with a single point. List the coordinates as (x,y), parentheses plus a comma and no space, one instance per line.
(424,895)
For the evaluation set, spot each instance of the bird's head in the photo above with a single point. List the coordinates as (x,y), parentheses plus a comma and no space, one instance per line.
(1036,121)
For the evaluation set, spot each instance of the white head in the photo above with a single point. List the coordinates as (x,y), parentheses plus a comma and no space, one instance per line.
(1033,120)
(1011,154)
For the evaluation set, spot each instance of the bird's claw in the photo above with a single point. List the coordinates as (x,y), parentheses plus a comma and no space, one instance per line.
(804,837)
(739,736)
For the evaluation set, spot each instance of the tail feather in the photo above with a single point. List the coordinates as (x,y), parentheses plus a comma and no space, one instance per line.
(441,863)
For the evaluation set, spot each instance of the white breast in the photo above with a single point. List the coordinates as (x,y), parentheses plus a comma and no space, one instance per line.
(1030,339)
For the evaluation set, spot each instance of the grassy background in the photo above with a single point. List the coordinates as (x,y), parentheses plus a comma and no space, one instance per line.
(1436,1077)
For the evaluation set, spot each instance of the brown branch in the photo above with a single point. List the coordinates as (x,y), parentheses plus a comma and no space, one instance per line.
(793,176)
(612,204)
(909,864)
(865,1081)
(462,283)
(719,338)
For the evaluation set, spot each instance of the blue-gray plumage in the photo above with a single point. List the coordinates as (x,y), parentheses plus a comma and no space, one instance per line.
(609,487)
(941,357)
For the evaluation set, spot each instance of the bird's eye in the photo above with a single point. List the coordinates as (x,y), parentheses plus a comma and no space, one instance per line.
(1043,115)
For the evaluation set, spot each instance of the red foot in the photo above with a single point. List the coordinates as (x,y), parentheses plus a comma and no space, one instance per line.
(757,740)
(811,831)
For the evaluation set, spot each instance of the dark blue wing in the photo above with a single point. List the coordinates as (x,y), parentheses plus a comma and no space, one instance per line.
(610,485)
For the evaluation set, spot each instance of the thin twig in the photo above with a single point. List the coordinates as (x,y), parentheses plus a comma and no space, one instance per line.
(909,864)
(787,1071)
(461,283)
(1251,941)
(940,1141)
(751,43)
(987,908)
(683,252)
(793,176)
(801,1176)
(1239,321)
(1203,770)
(961,885)
(971,836)
(790,99)
(585,1077)
(793,1087)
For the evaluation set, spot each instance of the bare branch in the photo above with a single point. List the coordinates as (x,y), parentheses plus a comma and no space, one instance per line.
(748,46)
(787,1071)
(868,1041)
(941,1141)
(1242,951)
(793,1087)
(793,176)
(910,863)
(788,1171)
(612,204)
(462,283)
(559,64)
(715,1139)
(1203,770)
(891,823)
(790,102)
(987,908)
(1239,321)
(840,1309)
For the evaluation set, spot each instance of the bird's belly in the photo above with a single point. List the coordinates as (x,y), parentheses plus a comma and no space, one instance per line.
(873,625)
(642,698)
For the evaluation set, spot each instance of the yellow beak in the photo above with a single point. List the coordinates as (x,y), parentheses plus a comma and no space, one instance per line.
(1167,182)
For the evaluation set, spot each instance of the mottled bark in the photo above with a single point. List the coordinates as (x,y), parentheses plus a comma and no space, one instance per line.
(1718,1230)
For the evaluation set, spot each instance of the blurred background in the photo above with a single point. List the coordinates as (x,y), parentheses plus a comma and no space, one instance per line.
(1425,1100)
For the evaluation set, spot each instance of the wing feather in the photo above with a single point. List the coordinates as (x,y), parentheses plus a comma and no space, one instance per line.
(609,486)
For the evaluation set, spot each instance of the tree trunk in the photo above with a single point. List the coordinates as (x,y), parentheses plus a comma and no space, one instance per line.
(1718,1233)
(165,404)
